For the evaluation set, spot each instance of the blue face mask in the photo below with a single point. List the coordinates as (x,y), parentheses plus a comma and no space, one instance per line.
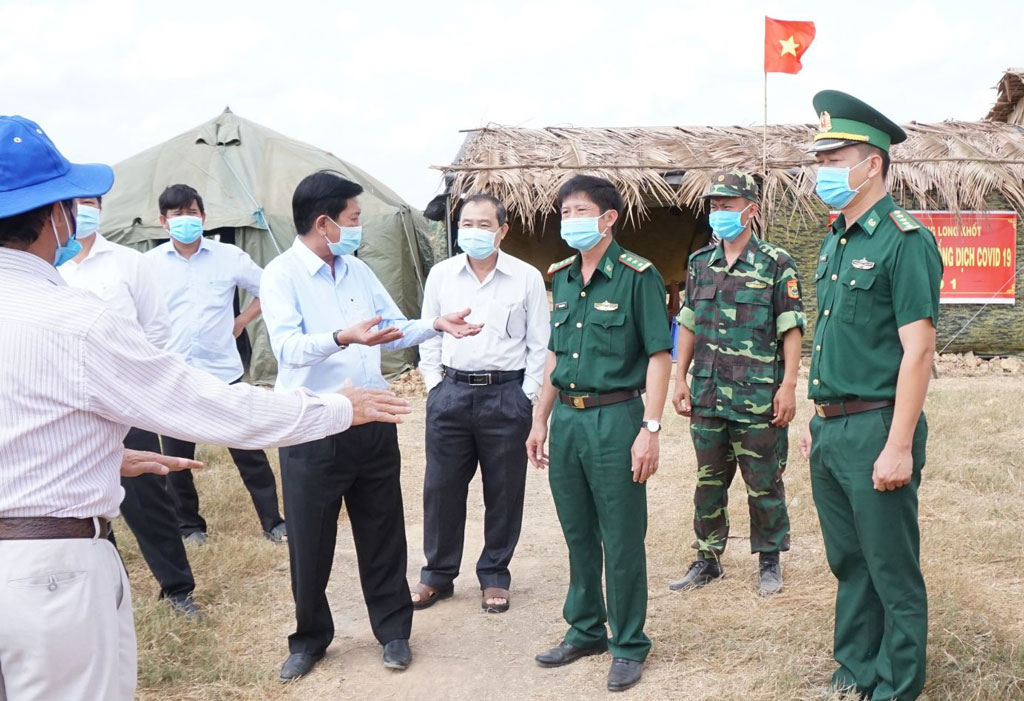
(348,242)
(833,186)
(477,243)
(87,221)
(582,233)
(186,228)
(728,225)
(69,250)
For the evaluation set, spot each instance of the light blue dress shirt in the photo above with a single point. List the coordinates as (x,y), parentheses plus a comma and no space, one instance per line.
(303,305)
(200,296)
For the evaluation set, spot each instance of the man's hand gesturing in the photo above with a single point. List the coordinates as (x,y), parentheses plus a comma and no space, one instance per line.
(369,405)
(365,333)
(456,324)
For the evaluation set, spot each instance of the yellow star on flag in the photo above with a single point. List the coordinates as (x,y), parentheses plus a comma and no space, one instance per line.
(788,46)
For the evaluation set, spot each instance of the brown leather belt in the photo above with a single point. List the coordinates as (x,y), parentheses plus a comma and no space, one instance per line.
(850,406)
(589,401)
(44,528)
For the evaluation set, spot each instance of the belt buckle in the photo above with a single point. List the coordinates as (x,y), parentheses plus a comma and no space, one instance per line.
(480,380)
(577,402)
(819,410)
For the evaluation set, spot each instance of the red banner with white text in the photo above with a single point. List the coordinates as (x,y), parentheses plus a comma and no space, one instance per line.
(979,252)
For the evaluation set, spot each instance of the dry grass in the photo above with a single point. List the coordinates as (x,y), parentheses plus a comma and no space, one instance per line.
(722,642)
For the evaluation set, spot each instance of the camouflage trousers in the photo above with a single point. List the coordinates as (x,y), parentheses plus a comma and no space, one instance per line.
(760,451)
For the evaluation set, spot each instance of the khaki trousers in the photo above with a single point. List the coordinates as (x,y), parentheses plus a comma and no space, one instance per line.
(66,628)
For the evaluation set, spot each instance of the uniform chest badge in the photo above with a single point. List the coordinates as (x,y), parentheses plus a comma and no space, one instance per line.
(605,306)
(863,264)
(755,284)
(561,305)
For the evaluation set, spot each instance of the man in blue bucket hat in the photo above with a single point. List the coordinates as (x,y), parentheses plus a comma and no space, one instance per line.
(74,375)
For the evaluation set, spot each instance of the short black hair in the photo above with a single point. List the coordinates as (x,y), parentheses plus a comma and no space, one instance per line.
(598,190)
(179,197)
(323,192)
(499,207)
(23,229)
(868,150)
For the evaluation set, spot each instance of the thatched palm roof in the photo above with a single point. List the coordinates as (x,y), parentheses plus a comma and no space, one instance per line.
(1009,105)
(950,165)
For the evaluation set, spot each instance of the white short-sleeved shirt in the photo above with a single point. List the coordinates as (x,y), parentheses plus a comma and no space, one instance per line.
(200,294)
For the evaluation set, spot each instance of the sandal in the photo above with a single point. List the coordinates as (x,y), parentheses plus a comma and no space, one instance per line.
(430,596)
(494,593)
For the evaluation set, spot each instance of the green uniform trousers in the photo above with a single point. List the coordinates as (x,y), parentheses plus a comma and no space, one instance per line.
(760,450)
(601,508)
(872,543)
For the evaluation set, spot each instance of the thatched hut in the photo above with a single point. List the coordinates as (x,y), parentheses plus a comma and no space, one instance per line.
(661,171)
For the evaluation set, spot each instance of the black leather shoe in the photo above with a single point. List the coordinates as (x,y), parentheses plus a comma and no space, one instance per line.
(770,577)
(624,674)
(298,665)
(564,653)
(397,654)
(700,573)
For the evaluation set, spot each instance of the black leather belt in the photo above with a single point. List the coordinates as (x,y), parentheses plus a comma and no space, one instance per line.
(45,528)
(850,406)
(588,401)
(483,377)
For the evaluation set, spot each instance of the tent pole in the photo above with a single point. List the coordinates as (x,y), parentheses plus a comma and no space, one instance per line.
(764,150)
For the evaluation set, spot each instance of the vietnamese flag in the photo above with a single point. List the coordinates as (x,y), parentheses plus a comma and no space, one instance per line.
(785,43)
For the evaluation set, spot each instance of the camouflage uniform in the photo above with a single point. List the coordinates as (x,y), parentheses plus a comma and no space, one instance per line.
(739,315)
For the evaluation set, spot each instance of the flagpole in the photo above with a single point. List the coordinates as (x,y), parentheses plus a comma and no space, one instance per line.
(764,150)
(764,131)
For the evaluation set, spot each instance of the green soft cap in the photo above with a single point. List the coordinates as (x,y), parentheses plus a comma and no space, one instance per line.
(845,120)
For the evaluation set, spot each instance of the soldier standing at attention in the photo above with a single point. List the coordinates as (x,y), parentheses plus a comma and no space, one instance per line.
(877,279)
(741,323)
(609,342)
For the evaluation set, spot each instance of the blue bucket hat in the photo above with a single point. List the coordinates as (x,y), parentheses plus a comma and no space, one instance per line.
(33,173)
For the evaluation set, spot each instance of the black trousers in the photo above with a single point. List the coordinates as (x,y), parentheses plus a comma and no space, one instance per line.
(362,467)
(256,474)
(467,425)
(148,510)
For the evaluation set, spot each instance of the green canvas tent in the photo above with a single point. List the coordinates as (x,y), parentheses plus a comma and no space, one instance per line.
(246,175)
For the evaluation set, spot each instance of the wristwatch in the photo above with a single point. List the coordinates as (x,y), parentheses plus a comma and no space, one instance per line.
(651,425)
(341,346)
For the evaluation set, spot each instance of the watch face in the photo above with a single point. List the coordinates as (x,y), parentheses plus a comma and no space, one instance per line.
(652,425)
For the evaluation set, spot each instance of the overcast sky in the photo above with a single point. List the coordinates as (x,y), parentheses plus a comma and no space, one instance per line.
(388,85)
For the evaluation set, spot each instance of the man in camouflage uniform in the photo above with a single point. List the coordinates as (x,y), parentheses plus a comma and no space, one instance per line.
(741,323)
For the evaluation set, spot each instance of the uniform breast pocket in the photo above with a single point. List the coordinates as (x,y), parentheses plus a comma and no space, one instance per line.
(604,332)
(753,307)
(517,320)
(857,299)
(560,330)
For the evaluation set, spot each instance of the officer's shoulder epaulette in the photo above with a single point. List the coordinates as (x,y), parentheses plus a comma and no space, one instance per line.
(631,260)
(555,267)
(904,221)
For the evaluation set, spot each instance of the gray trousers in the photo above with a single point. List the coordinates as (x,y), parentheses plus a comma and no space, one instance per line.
(466,426)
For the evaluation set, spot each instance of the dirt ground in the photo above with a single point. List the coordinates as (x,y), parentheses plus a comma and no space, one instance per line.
(722,642)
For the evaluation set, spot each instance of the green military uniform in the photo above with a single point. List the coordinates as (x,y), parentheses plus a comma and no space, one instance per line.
(873,276)
(738,314)
(603,332)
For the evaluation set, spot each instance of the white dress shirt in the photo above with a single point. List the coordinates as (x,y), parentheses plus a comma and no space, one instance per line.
(200,295)
(303,305)
(74,375)
(122,278)
(511,303)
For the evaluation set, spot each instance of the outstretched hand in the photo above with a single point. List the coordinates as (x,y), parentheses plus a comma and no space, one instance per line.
(456,325)
(369,405)
(366,333)
(142,462)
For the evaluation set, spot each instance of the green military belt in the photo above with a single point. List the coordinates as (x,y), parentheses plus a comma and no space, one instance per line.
(589,401)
